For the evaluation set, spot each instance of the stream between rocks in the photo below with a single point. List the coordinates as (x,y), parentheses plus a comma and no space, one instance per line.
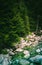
(6,60)
(35,58)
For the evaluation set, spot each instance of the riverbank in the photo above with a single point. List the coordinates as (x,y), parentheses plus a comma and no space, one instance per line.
(29,47)
(30,41)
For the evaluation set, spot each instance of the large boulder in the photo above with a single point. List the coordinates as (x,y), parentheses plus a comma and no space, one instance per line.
(5,59)
(37,59)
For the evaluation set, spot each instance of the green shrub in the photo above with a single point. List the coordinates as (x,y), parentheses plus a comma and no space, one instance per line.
(4,51)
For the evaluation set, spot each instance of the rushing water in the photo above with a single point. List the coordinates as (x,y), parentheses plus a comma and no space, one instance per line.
(6,60)
(18,60)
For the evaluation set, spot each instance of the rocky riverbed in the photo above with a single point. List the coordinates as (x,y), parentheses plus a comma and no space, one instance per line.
(29,47)
(29,41)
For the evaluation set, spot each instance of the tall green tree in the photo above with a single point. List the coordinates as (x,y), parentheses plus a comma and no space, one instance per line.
(35,11)
(12,21)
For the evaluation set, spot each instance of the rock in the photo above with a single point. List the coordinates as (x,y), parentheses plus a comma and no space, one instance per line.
(38,50)
(30,36)
(33,35)
(11,49)
(22,45)
(41,31)
(36,59)
(6,56)
(28,44)
(27,37)
(7,50)
(1,58)
(11,53)
(39,38)
(24,62)
(36,42)
(32,40)
(41,49)
(26,54)
(19,50)
(17,46)
(5,62)
(22,40)
(5,59)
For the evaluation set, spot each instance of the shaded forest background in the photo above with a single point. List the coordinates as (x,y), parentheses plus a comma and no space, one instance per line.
(18,18)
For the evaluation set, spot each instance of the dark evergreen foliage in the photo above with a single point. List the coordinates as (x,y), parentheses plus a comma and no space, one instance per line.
(18,18)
